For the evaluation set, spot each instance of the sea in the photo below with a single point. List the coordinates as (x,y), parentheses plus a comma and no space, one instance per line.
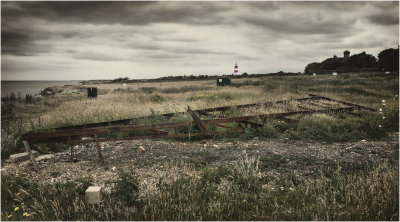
(30,87)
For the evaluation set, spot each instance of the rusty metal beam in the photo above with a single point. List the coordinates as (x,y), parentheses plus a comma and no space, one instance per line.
(59,135)
(200,111)
(359,107)
(252,123)
(75,134)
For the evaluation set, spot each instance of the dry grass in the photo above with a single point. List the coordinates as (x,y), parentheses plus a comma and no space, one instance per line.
(237,193)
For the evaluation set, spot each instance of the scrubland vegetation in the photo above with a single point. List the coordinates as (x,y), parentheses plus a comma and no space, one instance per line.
(238,193)
(186,192)
(116,101)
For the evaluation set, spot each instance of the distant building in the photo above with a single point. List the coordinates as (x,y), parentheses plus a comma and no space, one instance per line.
(346,54)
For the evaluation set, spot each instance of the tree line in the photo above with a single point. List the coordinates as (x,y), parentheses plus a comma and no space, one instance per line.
(388,60)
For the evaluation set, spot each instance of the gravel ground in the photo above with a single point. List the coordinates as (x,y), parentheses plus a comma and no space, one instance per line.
(277,156)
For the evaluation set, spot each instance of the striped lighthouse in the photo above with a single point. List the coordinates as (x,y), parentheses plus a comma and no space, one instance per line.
(235,70)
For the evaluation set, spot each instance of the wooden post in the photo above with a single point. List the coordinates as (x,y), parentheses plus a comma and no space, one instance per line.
(72,149)
(28,149)
(96,139)
(200,125)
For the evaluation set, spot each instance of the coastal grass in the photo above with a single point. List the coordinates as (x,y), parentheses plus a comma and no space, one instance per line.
(239,192)
(117,101)
(192,190)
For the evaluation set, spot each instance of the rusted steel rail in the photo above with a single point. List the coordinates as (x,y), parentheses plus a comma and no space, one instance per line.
(99,132)
(204,112)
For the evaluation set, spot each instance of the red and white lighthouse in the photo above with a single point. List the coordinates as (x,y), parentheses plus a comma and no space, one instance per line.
(235,70)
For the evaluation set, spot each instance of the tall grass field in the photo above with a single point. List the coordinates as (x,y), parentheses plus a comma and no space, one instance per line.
(243,191)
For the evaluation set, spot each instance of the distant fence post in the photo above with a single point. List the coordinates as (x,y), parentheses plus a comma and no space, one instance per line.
(92,92)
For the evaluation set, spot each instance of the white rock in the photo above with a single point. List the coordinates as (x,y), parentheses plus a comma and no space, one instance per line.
(93,195)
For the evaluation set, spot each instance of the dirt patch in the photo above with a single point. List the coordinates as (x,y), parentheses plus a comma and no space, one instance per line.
(277,157)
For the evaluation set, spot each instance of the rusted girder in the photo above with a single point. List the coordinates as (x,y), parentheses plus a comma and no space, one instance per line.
(75,134)
(61,135)
(358,107)
(200,111)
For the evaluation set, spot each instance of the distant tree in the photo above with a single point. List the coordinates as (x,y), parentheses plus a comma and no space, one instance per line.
(312,67)
(389,59)
(361,61)
(330,64)
(244,74)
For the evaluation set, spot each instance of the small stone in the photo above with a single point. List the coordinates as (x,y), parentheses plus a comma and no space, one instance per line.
(140,150)
(93,195)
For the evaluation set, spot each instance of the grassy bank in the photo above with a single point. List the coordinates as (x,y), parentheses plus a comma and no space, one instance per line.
(240,192)
(189,187)
(116,101)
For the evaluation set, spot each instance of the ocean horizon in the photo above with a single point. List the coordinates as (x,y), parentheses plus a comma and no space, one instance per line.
(32,87)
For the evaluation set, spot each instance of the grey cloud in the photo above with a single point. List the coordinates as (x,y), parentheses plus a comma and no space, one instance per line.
(11,43)
(176,32)
(298,25)
(141,13)
(160,55)
(197,51)
(384,19)
(20,43)
(97,57)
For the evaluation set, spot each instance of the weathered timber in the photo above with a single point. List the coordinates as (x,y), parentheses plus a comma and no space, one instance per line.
(96,140)
(200,125)
(29,150)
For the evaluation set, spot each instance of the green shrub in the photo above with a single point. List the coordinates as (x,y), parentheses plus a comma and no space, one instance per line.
(123,90)
(156,97)
(327,128)
(185,89)
(148,89)
(126,188)
(11,138)
(358,91)
(210,97)
(271,160)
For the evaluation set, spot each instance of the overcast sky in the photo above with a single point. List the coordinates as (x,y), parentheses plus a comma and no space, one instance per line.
(106,40)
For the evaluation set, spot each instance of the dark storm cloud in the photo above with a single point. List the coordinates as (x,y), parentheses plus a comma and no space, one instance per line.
(384,19)
(126,13)
(299,25)
(384,14)
(143,36)
(138,13)
(20,43)
(11,43)
(305,17)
